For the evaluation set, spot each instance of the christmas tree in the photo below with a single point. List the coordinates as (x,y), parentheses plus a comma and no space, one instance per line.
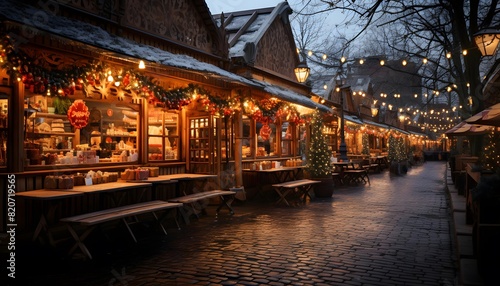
(397,150)
(366,145)
(391,154)
(491,154)
(319,156)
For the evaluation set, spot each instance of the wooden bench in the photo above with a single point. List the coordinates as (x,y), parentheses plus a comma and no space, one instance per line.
(375,167)
(301,187)
(356,176)
(192,200)
(91,220)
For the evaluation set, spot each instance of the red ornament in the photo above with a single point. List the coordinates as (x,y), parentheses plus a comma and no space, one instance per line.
(78,114)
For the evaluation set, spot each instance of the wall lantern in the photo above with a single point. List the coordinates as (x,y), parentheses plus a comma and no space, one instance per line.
(302,72)
(401,117)
(487,41)
(374,110)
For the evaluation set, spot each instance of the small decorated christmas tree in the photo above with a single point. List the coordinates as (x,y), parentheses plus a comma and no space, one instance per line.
(491,154)
(319,156)
(366,145)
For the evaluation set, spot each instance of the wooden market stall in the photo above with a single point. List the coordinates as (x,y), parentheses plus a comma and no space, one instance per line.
(108,89)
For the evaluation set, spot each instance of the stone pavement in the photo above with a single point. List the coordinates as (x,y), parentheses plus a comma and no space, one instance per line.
(394,232)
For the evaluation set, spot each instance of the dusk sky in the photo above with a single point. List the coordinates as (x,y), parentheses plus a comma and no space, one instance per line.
(218,6)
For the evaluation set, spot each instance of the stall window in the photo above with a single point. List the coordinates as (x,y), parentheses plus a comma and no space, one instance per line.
(286,139)
(4,104)
(110,134)
(227,138)
(301,147)
(266,139)
(247,138)
(163,135)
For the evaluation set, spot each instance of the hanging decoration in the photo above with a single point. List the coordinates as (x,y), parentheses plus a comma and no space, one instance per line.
(78,114)
(99,80)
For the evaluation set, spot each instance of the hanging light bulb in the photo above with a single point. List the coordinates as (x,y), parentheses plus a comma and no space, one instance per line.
(342,59)
(448,55)
(142,65)
(404,62)
(425,60)
(361,61)
(382,62)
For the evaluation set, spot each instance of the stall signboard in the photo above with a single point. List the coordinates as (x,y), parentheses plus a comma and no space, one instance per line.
(78,114)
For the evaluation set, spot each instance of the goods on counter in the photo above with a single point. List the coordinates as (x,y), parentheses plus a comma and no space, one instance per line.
(293,163)
(128,174)
(141,174)
(66,182)
(264,165)
(153,171)
(51,182)
(112,176)
(59,182)
(135,174)
(79,179)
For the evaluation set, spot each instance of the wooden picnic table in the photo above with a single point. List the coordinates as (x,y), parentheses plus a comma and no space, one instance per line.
(53,198)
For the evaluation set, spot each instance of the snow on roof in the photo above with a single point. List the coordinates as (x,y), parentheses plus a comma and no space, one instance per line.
(256,29)
(252,34)
(289,95)
(97,37)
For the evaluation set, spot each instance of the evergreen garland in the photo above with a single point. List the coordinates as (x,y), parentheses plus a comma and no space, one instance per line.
(319,156)
(61,83)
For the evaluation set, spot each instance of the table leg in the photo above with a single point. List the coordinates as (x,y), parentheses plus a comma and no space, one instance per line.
(43,223)
(282,193)
(226,201)
(79,240)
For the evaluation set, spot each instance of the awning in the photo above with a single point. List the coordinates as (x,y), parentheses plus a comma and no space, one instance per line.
(291,96)
(418,133)
(489,116)
(353,119)
(376,124)
(464,129)
(109,45)
(95,37)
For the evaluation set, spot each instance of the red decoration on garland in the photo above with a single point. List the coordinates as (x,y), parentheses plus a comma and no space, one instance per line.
(265,132)
(78,114)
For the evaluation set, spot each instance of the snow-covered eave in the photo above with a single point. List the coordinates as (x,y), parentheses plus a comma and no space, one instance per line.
(291,96)
(353,119)
(94,36)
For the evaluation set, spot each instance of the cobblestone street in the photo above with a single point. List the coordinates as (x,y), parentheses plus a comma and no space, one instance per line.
(394,232)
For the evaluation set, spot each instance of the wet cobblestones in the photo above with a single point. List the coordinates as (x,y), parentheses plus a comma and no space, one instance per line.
(394,232)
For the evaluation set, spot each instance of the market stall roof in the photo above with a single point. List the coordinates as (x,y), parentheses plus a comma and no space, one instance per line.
(96,37)
(464,129)
(291,96)
(418,133)
(245,29)
(376,124)
(353,118)
(489,116)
